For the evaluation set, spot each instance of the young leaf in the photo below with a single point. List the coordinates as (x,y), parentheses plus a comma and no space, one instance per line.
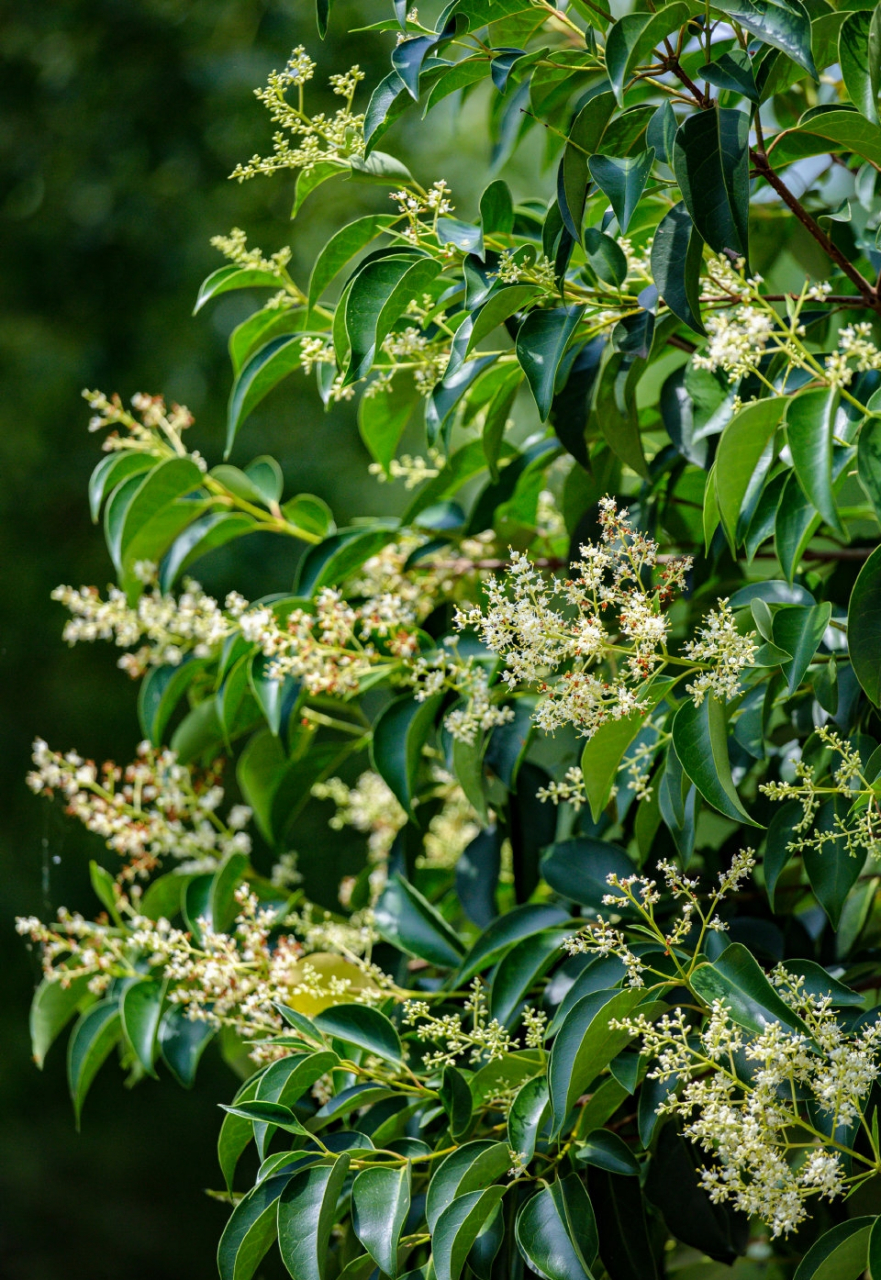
(380,1204)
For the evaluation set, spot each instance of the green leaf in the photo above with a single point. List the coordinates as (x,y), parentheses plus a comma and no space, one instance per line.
(781,833)
(455,1095)
(382,419)
(632,39)
(700,736)
(309,179)
(556,1231)
(875,1250)
(604,751)
(140,1009)
(608,1151)
(277,785)
(818,982)
(222,903)
(363,1027)
(209,532)
(496,209)
(458,1227)
(104,888)
(260,374)
(339,555)
(500,306)
(380,292)
(785,24)
(542,340)
(182,1041)
(52,1008)
(399,736)
(234,277)
(235,1133)
(605,257)
(626,1247)
(795,524)
(154,516)
(160,693)
(255,332)
(342,247)
(799,629)
(529,1114)
(869,461)
(840,1253)
(311,515)
(844,130)
(268,1113)
(585,1044)
(584,139)
(380,1204)
(110,472)
(306,1216)
(732,71)
(677,255)
(578,868)
(95,1034)
(410,922)
(285,1082)
(623,181)
(519,970)
(250,1231)
(810,430)
(864,627)
(711,163)
(859,54)
(736,979)
(832,870)
(469,1168)
(522,922)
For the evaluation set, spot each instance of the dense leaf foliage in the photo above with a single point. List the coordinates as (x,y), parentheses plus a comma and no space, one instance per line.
(607,691)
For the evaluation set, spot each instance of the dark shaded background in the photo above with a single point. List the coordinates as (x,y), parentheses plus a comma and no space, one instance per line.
(120,120)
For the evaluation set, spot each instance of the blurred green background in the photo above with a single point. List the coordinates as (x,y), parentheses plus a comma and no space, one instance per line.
(120,121)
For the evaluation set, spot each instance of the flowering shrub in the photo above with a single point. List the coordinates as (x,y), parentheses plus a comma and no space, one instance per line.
(600,709)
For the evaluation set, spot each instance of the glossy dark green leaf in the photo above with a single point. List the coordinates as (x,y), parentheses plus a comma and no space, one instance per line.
(340,554)
(785,24)
(342,247)
(606,1150)
(379,294)
(210,531)
(154,516)
(875,1250)
(267,1113)
(732,71)
(737,980)
(677,255)
(308,180)
(259,375)
(380,1205)
(306,1216)
(605,256)
(182,1041)
(284,1082)
(832,870)
(363,1027)
(161,690)
(700,736)
(542,340)
(96,1033)
(250,1231)
(52,1008)
(711,163)
(869,461)
(585,1044)
(529,1114)
(626,1247)
(382,419)
(447,396)
(496,209)
(399,736)
(222,902)
(781,833)
(811,420)
(840,1253)
(673,1185)
(632,38)
(458,1227)
(477,876)
(457,1100)
(518,971)
(556,1231)
(520,923)
(235,1133)
(584,139)
(799,630)
(471,1167)
(818,982)
(141,1009)
(864,627)
(744,443)
(578,868)
(831,131)
(623,181)
(408,920)
(859,55)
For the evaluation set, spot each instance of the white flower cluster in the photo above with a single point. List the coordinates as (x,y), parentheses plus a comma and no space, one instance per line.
(152,809)
(854,344)
(553,634)
(726,651)
(745,1099)
(193,623)
(482,1039)
(446,669)
(235,248)
(318,138)
(414,206)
